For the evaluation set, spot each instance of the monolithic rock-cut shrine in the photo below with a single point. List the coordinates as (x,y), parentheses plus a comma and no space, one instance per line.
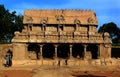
(53,35)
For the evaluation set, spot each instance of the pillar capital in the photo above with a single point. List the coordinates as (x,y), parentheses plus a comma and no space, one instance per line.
(56,46)
(70,45)
(85,45)
(41,45)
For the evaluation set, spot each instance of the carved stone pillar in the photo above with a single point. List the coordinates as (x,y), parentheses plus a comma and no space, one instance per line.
(77,27)
(43,28)
(70,52)
(77,22)
(55,55)
(108,51)
(85,48)
(26,51)
(58,28)
(41,56)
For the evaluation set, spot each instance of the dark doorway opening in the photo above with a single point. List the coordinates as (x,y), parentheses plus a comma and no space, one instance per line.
(34,51)
(93,49)
(78,51)
(63,51)
(48,51)
(115,53)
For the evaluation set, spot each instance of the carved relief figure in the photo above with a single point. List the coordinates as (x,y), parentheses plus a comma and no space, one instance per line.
(44,21)
(76,21)
(90,20)
(29,19)
(60,19)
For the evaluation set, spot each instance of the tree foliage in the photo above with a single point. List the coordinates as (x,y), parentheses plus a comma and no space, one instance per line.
(113,30)
(9,23)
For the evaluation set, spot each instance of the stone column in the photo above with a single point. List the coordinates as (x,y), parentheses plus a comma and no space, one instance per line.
(70,52)
(43,27)
(26,51)
(85,46)
(41,56)
(77,27)
(110,51)
(55,55)
(58,28)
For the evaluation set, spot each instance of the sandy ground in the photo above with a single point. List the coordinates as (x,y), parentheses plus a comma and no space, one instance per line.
(47,71)
(16,73)
(26,73)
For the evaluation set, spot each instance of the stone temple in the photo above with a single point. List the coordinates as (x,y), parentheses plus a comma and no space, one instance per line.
(50,36)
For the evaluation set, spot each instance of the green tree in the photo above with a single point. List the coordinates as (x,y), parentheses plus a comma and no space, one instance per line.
(9,23)
(113,30)
(17,25)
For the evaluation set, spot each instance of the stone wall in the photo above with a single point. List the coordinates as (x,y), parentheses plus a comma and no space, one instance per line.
(4,48)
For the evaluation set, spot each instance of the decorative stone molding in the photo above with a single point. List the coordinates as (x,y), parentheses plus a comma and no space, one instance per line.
(44,21)
(107,45)
(60,19)
(106,36)
(77,21)
(90,20)
(16,34)
(29,19)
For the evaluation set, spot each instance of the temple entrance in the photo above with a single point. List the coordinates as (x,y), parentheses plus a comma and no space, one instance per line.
(63,51)
(48,51)
(92,51)
(78,51)
(34,51)
(115,53)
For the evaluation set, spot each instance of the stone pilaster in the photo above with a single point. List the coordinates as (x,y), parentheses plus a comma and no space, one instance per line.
(55,55)
(42,28)
(70,52)
(41,56)
(85,48)
(58,28)
(77,27)
(26,51)
(14,51)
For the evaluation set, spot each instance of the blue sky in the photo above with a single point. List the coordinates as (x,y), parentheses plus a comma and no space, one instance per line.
(106,10)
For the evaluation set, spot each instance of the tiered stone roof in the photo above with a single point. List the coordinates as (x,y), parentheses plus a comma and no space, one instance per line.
(84,16)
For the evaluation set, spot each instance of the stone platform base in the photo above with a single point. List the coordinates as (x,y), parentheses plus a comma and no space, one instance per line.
(63,62)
